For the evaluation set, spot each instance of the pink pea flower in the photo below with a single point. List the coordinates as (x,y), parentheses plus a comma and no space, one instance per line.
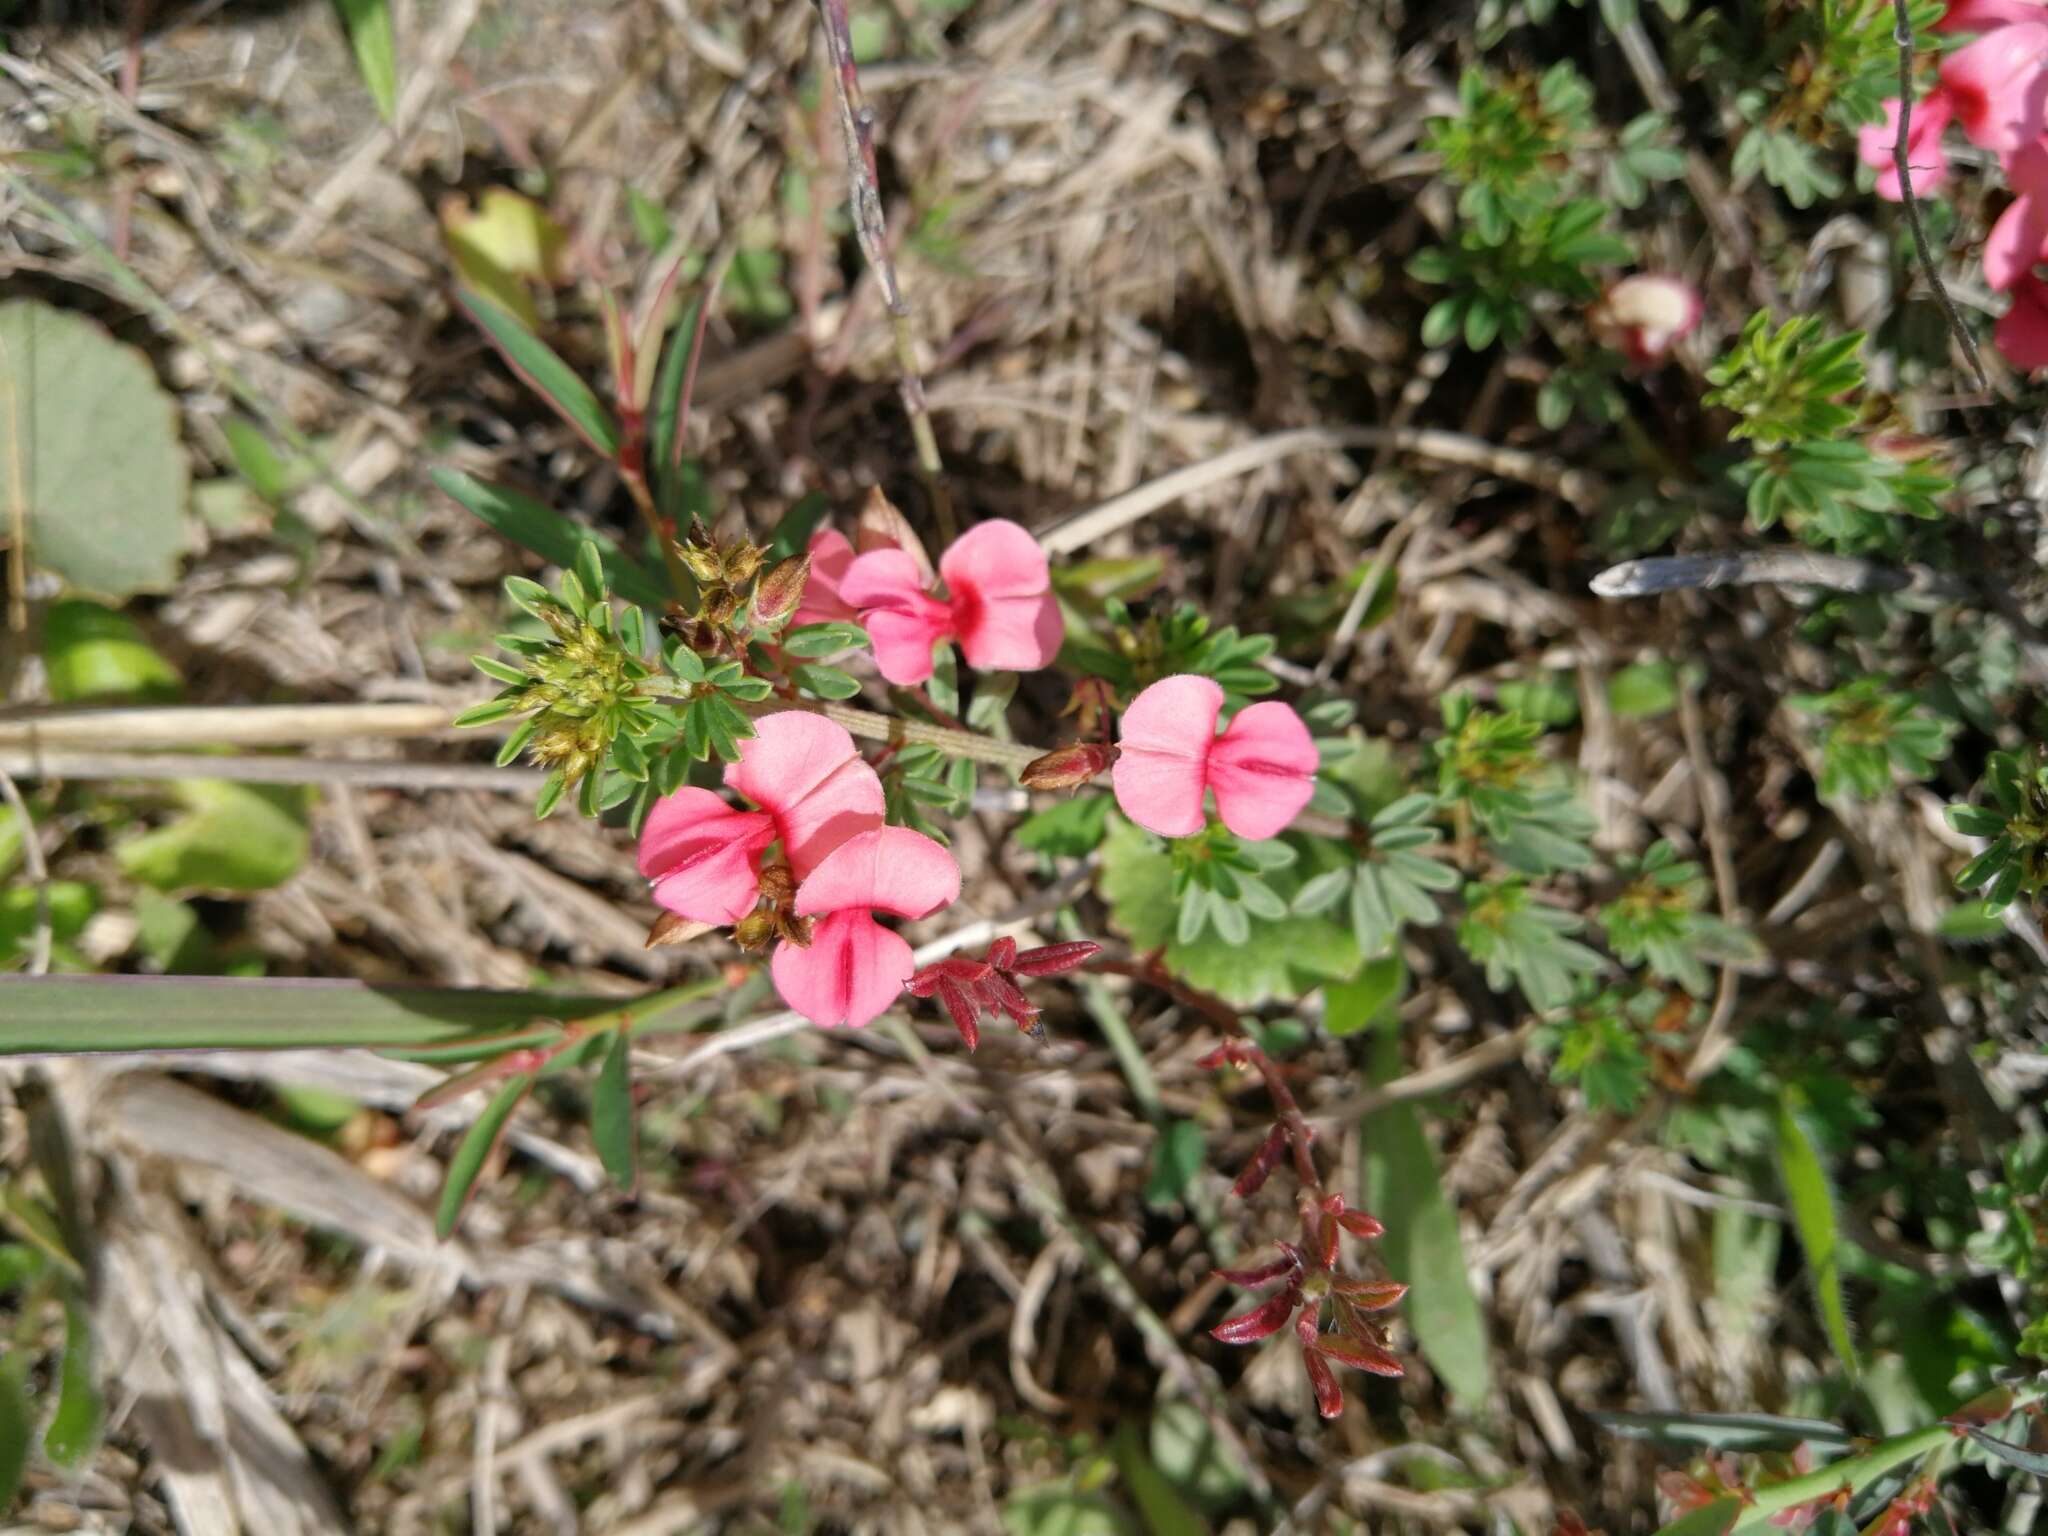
(1989,15)
(815,792)
(1262,768)
(854,967)
(999,604)
(2019,240)
(1998,86)
(1875,143)
(2022,334)
(831,558)
(1644,315)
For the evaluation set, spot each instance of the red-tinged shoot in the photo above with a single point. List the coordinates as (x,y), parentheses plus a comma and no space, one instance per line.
(1261,769)
(969,988)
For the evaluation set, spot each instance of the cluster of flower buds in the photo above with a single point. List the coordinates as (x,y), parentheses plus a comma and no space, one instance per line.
(737,590)
(969,988)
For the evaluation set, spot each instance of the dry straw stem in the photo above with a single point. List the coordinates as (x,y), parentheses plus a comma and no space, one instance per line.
(171,766)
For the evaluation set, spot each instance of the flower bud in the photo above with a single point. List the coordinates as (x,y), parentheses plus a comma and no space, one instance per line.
(777,594)
(1069,767)
(673,928)
(701,560)
(756,931)
(881,526)
(1643,316)
(742,561)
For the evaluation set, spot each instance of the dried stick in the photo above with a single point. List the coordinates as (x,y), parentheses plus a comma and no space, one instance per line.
(1770,567)
(1902,34)
(871,227)
(163,766)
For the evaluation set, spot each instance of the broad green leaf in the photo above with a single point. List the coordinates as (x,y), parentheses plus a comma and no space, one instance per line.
(611,1113)
(544,371)
(1404,1189)
(1072,827)
(71,906)
(74,1428)
(503,246)
(107,522)
(1160,1504)
(67,1014)
(475,1149)
(1283,958)
(1177,1156)
(1812,1202)
(17,1425)
(1367,999)
(232,837)
(91,652)
(825,682)
(550,535)
(372,41)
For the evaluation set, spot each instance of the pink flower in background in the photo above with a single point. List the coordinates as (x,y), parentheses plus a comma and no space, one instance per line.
(831,558)
(2022,334)
(815,792)
(2019,240)
(1644,315)
(853,968)
(1262,768)
(999,604)
(1876,141)
(1998,86)
(1989,15)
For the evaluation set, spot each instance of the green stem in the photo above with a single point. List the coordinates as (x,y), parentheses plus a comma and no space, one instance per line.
(1859,1472)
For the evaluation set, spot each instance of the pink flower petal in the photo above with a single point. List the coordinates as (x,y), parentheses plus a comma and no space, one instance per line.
(704,856)
(852,971)
(1166,735)
(831,558)
(1263,770)
(1875,143)
(806,773)
(1010,634)
(891,868)
(903,619)
(1988,15)
(1999,86)
(2017,242)
(996,559)
(2022,334)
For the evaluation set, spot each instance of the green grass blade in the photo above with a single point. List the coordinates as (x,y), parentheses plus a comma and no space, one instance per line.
(611,1113)
(1404,1189)
(1812,1201)
(17,1426)
(79,1014)
(478,1143)
(75,1427)
(375,45)
(550,535)
(544,372)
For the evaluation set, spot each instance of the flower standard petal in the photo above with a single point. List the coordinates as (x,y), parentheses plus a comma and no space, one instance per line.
(996,559)
(1165,738)
(831,558)
(1263,770)
(891,868)
(806,772)
(704,856)
(1999,85)
(850,974)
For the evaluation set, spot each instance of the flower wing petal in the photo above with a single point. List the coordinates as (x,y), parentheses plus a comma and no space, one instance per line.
(704,856)
(1263,770)
(808,774)
(1166,735)
(1013,634)
(891,868)
(852,971)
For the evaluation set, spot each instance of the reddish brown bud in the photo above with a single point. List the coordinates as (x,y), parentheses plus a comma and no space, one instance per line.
(1003,953)
(1264,1274)
(1329,1396)
(673,928)
(1262,1322)
(1069,767)
(962,1009)
(1358,1224)
(777,594)
(1369,1295)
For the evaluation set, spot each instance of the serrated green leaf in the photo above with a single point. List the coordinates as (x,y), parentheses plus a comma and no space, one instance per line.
(110,523)
(611,1113)
(475,1149)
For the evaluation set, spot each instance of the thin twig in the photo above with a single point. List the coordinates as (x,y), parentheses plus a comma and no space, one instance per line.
(1770,567)
(1902,34)
(38,874)
(871,228)
(171,766)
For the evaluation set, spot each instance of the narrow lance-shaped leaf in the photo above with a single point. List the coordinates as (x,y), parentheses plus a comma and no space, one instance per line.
(544,372)
(375,45)
(478,1143)
(17,1426)
(548,534)
(1813,1216)
(611,1113)
(75,1426)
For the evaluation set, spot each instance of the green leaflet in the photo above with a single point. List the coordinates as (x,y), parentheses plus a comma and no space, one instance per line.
(1812,1200)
